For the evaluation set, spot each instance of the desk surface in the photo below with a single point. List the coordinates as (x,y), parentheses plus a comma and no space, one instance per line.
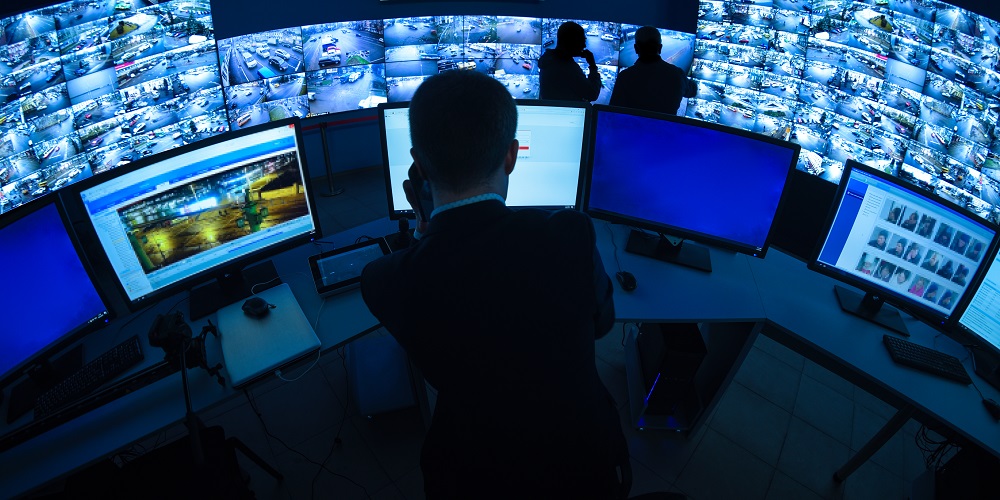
(801,304)
(114,426)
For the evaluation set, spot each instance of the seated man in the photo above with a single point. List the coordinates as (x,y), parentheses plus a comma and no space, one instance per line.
(499,310)
(651,83)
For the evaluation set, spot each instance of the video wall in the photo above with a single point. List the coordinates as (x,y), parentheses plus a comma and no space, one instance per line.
(333,67)
(89,85)
(907,86)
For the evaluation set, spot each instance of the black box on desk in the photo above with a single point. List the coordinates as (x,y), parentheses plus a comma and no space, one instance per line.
(669,357)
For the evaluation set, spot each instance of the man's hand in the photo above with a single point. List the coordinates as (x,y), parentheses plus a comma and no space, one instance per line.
(419,196)
(589,56)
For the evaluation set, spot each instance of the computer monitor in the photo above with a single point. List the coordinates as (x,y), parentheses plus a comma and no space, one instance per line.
(50,296)
(899,244)
(552,137)
(685,178)
(204,212)
(979,321)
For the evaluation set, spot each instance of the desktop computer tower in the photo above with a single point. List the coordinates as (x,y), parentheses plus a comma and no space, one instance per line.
(669,357)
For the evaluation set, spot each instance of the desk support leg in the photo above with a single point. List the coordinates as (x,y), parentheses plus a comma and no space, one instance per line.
(884,434)
(255,458)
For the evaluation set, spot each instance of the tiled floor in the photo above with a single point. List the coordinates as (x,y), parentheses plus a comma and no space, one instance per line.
(779,431)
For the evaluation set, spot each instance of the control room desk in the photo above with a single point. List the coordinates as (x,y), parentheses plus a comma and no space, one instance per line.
(147,411)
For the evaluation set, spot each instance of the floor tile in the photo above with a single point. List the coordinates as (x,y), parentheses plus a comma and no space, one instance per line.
(913,459)
(720,468)
(829,379)
(302,409)
(644,480)
(785,488)
(873,404)
(395,438)
(873,482)
(779,351)
(825,409)
(866,425)
(663,452)
(811,457)
(752,422)
(773,379)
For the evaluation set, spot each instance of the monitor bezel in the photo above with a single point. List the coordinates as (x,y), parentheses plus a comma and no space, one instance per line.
(71,337)
(648,225)
(954,328)
(899,300)
(207,275)
(396,214)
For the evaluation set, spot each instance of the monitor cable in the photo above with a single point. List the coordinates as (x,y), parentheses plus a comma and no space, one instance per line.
(280,375)
(337,441)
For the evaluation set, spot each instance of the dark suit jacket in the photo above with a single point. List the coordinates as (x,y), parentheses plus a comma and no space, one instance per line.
(652,84)
(500,309)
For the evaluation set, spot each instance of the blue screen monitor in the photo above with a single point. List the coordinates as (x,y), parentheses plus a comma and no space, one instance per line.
(203,212)
(900,244)
(688,179)
(50,293)
(552,138)
(978,321)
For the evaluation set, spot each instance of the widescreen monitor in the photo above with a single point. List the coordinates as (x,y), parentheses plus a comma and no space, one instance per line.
(203,212)
(899,243)
(50,294)
(979,321)
(688,179)
(552,138)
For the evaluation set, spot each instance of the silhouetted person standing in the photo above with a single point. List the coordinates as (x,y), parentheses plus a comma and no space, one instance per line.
(651,83)
(559,76)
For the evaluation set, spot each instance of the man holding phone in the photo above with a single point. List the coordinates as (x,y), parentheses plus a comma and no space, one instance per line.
(560,77)
(500,310)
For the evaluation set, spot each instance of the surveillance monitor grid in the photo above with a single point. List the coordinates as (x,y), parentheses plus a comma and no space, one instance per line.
(894,76)
(87,66)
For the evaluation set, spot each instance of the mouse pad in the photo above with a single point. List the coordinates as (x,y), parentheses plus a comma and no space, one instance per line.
(252,347)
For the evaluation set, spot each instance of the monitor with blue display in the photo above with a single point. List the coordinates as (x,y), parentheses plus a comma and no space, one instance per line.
(551,136)
(50,291)
(901,244)
(204,212)
(979,321)
(688,179)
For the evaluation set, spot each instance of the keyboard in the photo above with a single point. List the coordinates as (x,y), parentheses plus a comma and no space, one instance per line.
(94,374)
(923,358)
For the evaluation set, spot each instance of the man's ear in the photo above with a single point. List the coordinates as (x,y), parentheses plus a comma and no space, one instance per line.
(416,165)
(511,158)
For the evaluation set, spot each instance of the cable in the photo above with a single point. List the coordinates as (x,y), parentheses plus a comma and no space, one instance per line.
(615,245)
(968,348)
(277,373)
(253,406)
(337,442)
(365,238)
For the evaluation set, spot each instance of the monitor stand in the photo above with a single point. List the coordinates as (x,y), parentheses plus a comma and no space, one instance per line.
(872,308)
(232,287)
(987,366)
(660,248)
(43,377)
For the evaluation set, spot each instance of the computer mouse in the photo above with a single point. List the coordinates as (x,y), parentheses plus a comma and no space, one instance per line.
(256,307)
(993,407)
(626,280)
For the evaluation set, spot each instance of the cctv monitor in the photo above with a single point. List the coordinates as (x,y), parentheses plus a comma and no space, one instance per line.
(51,297)
(551,137)
(685,178)
(979,319)
(901,244)
(205,211)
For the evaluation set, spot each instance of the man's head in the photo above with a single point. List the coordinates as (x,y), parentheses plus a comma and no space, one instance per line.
(647,41)
(880,239)
(462,126)
(571,38)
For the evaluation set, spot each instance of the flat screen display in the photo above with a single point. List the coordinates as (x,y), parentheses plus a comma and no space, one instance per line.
(889,236)
(982,316)
(49,293)
(189,214)
(647,170)
(551,141)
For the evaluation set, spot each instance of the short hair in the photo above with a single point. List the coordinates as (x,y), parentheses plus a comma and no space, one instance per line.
(647,40)
(461,126)
(570,36)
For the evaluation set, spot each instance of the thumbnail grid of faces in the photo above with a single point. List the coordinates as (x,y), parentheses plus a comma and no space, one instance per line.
(88,85)
(912,252)
(341,66)
(906,86)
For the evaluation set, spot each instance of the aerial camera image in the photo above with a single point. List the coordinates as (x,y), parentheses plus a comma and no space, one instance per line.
(187,220)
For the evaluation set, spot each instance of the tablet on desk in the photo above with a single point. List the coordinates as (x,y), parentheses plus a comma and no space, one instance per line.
(338,270)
